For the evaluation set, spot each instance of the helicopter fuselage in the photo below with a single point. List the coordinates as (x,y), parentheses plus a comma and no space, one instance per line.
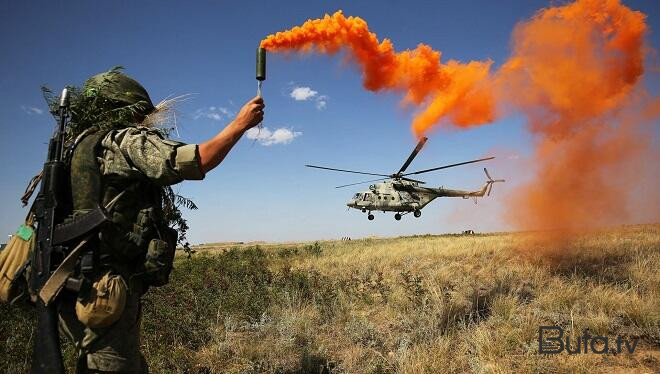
(391,197)
(404,196)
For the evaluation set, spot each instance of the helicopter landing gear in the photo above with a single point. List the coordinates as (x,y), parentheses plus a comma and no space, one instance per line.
(370,217)
(397,217)
(364,210)
(417,213)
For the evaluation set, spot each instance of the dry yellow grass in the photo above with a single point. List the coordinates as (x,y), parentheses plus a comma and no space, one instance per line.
(456,304)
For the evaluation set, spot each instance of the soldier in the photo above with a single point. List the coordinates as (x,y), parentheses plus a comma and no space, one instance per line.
(115,156)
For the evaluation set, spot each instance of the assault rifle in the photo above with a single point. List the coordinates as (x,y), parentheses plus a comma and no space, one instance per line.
(49,210)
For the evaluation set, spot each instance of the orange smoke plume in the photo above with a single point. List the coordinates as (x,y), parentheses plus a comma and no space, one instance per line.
(451,90)
(574,72)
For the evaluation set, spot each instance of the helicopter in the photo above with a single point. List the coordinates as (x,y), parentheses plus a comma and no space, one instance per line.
(400,194)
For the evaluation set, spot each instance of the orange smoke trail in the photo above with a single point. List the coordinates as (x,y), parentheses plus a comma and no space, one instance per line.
(451,90)
(574,72)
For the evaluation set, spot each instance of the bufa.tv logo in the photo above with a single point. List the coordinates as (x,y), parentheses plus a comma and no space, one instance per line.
(552,341)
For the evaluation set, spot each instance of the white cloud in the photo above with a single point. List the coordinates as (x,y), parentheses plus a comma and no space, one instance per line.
(32,110)
(213,113)
(302,93)
(267,137)
(321,102)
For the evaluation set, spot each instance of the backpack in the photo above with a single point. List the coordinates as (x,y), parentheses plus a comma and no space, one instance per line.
(14,259)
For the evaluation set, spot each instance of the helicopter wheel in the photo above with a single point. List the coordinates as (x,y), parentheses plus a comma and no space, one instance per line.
(417,213)
(397,217)
(364,210)
(370,217)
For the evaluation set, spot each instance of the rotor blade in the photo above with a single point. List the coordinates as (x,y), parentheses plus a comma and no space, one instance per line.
(353,184)
(346,171)
(488,175)
(414,153)
(448,166)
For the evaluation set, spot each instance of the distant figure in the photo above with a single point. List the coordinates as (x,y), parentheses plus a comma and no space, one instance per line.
(468,232)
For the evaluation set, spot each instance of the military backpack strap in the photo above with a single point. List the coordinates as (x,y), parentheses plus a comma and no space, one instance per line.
(85,172)
(34,182)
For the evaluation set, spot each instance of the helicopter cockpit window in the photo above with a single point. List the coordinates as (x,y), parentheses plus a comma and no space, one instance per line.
(357,196)
(368,197)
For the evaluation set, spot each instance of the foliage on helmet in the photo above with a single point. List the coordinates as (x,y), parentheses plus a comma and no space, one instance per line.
(93,105)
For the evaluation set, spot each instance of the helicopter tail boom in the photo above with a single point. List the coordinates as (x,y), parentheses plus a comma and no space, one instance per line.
(484,191)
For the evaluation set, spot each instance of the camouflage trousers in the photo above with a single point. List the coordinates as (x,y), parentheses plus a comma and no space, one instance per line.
(115,349)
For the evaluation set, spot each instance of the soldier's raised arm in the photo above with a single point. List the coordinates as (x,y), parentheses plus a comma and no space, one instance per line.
(213,151)
(136,151)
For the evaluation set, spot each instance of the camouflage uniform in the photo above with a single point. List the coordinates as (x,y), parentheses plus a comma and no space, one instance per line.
(137,160)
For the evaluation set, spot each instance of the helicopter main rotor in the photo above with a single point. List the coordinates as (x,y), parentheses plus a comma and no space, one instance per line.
(399,175)
(412,156)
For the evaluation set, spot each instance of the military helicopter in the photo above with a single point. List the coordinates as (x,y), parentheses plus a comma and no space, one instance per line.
(403,195)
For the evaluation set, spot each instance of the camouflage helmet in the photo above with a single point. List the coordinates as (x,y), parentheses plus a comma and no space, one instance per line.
(121,89)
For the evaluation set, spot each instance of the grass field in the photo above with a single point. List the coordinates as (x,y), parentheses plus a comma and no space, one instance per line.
(426,304)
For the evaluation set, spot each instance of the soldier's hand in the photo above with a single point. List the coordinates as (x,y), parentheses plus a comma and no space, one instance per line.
(251,114)
(213,151)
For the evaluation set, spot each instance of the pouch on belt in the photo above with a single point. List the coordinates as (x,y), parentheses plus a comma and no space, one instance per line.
(104,303)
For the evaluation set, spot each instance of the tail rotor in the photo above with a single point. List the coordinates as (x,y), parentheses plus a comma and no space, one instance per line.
(491,181)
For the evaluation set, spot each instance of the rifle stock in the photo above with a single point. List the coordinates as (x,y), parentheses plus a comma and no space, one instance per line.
(46,353)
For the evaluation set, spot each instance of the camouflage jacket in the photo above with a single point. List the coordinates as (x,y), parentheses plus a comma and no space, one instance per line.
(137,163)
(138,152)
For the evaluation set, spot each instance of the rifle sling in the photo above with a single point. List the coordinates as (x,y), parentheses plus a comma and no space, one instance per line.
(58,279)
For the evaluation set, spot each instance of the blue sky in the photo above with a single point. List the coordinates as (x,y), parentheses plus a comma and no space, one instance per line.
(263,192)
